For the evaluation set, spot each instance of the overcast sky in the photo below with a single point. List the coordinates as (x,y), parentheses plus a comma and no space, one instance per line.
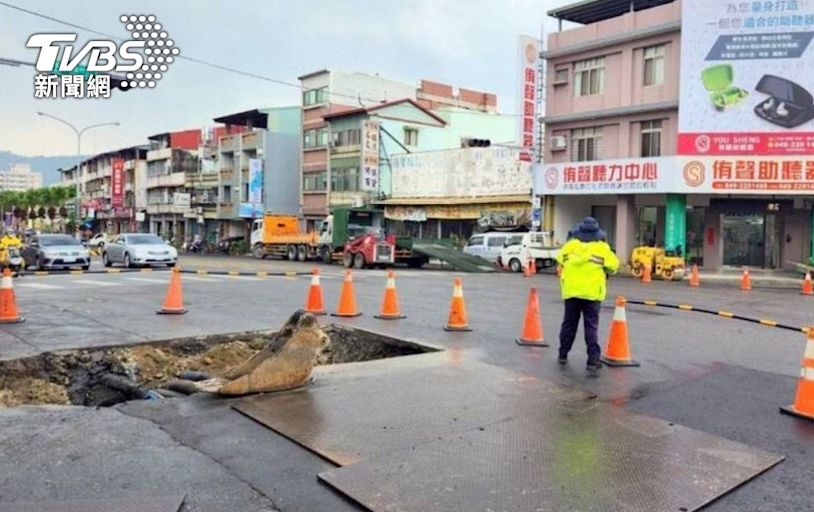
(470,43)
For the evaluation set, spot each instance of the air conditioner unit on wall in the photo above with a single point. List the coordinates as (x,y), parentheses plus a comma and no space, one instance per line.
(559,143)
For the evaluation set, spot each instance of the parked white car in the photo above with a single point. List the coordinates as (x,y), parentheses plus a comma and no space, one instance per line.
(132,249)
(488,245)
(536,246)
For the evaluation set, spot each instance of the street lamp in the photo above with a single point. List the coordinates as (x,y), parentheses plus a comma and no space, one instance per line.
(78,132)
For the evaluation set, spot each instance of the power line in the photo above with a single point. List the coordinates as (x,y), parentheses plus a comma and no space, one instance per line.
(219,66)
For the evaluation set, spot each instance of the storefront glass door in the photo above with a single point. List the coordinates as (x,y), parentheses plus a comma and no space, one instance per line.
(744,239)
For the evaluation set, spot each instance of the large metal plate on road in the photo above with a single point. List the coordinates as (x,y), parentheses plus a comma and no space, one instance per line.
(357,411)
(591,458)
(139,504)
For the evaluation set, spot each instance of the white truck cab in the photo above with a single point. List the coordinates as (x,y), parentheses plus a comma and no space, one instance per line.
(536,246)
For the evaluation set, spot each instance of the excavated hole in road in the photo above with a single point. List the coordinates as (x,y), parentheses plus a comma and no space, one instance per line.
(83,377)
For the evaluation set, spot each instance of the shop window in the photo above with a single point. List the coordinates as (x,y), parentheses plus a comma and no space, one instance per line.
(410,137)
(589,77)
(586,144)
(654,64)
(651,138)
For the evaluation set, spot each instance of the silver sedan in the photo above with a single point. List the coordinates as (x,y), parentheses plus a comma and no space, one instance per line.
(134,249)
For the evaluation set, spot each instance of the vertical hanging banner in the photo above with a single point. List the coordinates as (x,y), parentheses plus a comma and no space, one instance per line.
(117,182)
(528,60)
(255,181)
(370,156)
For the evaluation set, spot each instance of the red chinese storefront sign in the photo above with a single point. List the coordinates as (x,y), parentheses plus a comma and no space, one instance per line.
(117,182)
(528,62)
(678,174)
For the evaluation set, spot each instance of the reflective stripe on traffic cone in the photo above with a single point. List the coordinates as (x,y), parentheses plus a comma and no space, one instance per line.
(532,333)
(9,314)
(347,299)
(390,303)
(695,279)
(314,304)
(646,277)
(807,288)
(803,406)
(617,352)
(174,301)
(457,309)
(746,281)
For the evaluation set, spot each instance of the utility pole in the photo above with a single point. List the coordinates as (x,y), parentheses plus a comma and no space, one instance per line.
(79,132)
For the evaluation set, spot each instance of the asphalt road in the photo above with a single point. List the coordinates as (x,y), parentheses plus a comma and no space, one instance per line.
(713,374)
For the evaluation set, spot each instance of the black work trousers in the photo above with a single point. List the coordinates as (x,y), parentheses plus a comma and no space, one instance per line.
(589,309)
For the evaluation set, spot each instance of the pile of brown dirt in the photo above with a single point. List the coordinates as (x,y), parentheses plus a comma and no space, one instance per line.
(33,391)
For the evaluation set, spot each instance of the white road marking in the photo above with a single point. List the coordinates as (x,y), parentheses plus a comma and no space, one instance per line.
(95,283)
(146,280)
(40,286)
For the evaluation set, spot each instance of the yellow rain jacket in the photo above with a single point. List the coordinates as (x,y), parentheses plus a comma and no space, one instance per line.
(584,268)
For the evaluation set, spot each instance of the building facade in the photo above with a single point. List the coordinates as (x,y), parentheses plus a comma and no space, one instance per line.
(332,92)
(19,178)
(613,105)
(112,189)
(452,193)
(258,168)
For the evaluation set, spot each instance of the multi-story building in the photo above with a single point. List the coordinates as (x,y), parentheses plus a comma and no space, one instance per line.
(20,177)
(112,189)
(332,92)
(661,122)
(258,168)
(367,141)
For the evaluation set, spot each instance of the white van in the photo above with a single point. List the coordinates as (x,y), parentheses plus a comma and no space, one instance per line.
(489,245)
(515,255)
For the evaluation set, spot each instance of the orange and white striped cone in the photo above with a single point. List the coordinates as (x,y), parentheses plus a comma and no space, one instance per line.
(807,287)
(457,309)
(347,299)
(390,303)
(646,274)
(617,352)
(174,301)
(532,333)
(803,406)
(315,304)
(695,278)
(9,314)
(746,281)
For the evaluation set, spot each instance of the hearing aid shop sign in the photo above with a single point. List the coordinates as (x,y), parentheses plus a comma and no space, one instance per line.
(678,175)
(747,78)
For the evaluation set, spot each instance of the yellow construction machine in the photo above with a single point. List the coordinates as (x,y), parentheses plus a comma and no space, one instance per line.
(664,264)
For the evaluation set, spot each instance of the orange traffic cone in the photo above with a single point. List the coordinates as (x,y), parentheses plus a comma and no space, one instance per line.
(803,406)
(347,299)
(746,281)
(314,304)
(390,304)
(695,279)
(617,352)
(457,309)
(9,314)
(174,301)
(532,334)
(646,277)
(807,287)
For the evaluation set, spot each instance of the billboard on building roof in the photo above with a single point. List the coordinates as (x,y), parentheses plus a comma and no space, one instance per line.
(747,78)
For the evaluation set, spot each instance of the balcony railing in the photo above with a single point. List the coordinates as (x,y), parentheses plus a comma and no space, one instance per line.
(175,179)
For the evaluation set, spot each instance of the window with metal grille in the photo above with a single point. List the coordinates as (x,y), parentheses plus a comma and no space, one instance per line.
(651,138)
(586,144)
(589,77)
